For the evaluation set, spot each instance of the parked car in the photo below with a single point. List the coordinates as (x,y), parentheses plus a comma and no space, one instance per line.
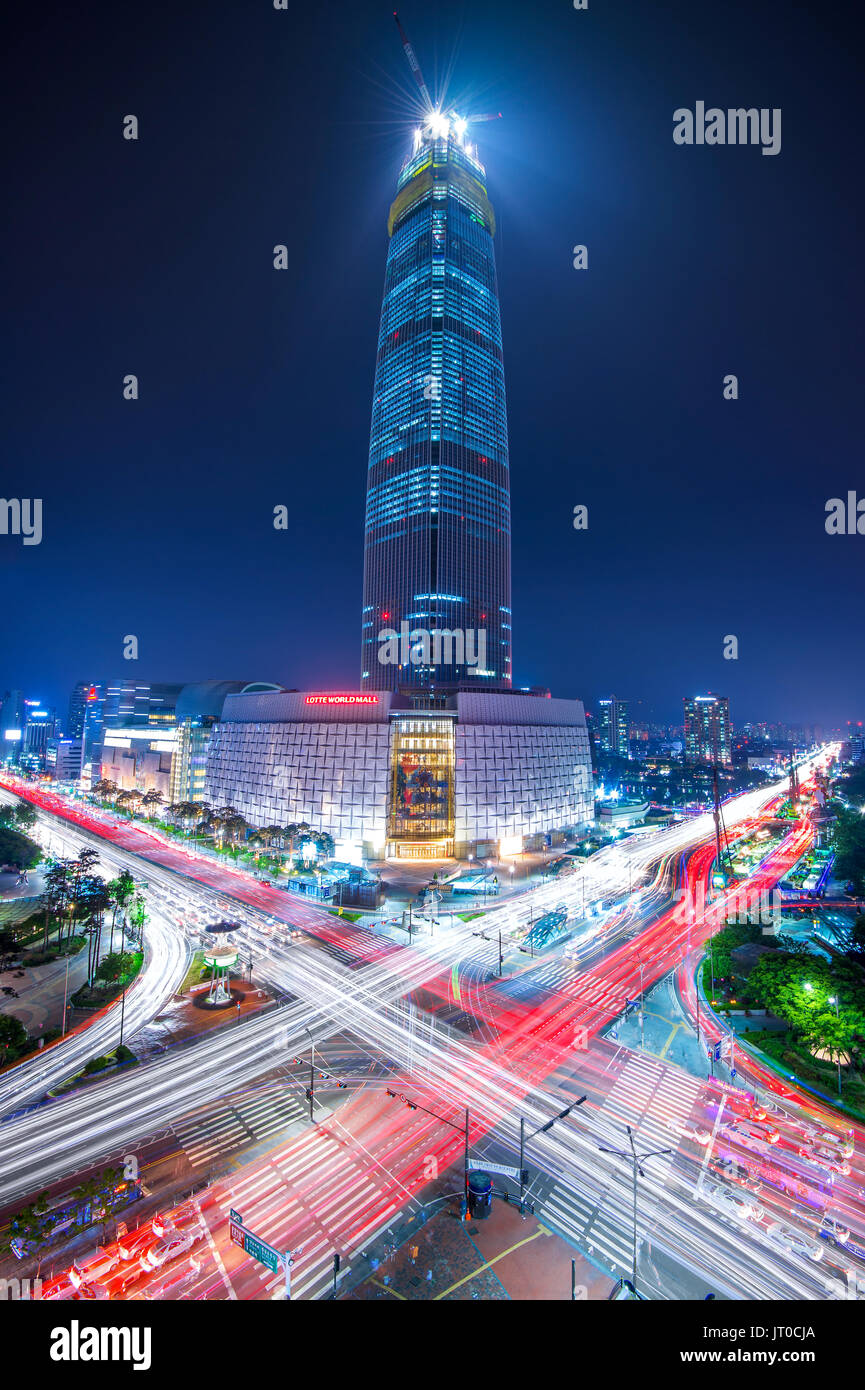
(794,1241)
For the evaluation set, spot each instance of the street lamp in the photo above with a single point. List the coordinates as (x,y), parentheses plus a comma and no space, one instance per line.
(636,1160)
(542,1129)
(833,999)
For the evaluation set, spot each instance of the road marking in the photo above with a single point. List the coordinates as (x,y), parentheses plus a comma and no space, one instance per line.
(488,1264)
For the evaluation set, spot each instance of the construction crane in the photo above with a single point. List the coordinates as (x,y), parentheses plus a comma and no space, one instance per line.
(430,111)
(720,830)
(415,67)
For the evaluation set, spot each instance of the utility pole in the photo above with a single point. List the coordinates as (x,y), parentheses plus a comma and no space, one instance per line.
(65,993)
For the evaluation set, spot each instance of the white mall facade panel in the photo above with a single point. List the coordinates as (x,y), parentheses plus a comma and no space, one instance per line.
(489,767)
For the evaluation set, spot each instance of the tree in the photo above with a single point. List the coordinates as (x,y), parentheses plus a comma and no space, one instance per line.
(236,826)
(129,799)
(13,1036)
(120,891)
(850,847)
(16,849)
(151,800)
(25,816)
(55,895)
(104,789)
(95,898)
(114,966)
(137,915)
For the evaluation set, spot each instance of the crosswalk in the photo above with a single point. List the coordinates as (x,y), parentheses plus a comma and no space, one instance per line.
(244,1124)
(589,1225)
(319,1195)
(655,1101)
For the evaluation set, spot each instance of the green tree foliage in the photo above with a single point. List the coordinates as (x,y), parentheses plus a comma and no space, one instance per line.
(850,847)
(799,988)
(114,966)
(17,850)
(13,1037)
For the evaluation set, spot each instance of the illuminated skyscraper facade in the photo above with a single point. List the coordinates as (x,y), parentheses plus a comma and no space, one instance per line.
(437,582)
(708,733)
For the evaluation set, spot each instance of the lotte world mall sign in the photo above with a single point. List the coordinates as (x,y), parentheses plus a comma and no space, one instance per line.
(341,700)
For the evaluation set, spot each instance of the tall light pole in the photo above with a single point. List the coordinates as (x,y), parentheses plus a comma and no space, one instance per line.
(833,999)
(311,1071)
(636,1159)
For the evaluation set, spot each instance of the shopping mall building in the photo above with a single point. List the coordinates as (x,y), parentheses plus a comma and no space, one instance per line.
(487,773)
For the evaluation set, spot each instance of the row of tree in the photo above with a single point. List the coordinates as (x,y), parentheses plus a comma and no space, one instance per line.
(220,823)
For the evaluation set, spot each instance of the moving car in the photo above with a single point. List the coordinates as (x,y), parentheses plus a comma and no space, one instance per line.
(826,1156)
(174,1244)
(757,1146)
(732,1204)
(170,1284)
(134,1243)
(794,1241)
(59,1288)
(178,1220)
(97,1267)
(768,1133)
(832,1229)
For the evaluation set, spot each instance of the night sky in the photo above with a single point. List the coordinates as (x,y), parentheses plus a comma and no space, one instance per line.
(257,127)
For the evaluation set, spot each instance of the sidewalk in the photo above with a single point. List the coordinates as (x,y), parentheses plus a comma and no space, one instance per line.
(504,1257)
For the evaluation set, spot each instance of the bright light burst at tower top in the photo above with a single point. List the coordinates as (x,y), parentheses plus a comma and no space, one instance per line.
(437,124)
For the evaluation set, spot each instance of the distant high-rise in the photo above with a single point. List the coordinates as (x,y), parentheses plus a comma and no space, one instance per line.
(78,709)
(708,735)
(438,534)
(613,735)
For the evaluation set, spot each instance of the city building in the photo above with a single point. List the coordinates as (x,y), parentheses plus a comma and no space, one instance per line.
(436,755)
(612,731)
(78,709)
(437,570)
(483,773)
(708,735)
(63,759)
(198,710)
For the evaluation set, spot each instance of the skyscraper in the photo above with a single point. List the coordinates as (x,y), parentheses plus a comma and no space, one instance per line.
(437,572)
(613,732)
(708,736)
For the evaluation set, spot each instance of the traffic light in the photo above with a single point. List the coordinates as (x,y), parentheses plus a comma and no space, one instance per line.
(308,1093)
(336,1264)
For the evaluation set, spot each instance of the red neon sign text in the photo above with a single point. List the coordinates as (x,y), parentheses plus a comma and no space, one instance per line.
(341,700)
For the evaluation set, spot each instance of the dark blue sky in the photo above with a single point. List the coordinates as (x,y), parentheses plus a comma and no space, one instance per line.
(261,127)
